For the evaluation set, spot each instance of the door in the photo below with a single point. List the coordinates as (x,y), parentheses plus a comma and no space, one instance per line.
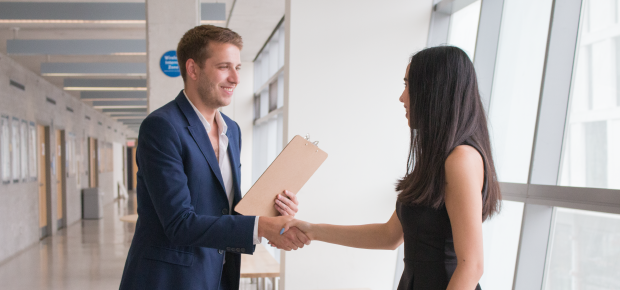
(60,169)
(92,162)
(43,171)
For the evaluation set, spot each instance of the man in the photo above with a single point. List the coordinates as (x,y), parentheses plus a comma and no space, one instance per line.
(187,235)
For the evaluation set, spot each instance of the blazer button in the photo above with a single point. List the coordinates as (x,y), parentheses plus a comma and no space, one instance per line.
(227,248)
(225,211)
(238,250)
(242,250)
(220,251)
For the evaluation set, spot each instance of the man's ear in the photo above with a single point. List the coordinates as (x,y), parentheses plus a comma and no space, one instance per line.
(191,69)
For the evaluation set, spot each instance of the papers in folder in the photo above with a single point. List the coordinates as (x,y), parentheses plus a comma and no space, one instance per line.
(290,171)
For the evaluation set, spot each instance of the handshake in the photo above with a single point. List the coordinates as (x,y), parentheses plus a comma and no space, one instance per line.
(285,232)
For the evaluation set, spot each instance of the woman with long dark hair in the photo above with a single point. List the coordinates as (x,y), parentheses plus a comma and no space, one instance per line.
(450,186)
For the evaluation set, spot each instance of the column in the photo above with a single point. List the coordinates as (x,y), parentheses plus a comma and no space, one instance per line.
(166,22)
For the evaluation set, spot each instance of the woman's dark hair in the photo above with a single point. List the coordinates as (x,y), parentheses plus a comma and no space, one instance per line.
(445,111)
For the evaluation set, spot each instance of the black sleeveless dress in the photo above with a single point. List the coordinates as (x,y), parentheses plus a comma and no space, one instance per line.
(430,259)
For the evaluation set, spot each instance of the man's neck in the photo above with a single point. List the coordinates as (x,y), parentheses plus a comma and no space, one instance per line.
(207,112)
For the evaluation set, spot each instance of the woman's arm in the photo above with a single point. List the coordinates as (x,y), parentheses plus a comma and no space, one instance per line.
(387,236)
(465,179)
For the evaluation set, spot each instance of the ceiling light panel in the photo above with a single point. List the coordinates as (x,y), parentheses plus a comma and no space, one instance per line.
(105,84)
(93,12)
(112,95)
(76,46)
(120,110)
(92,69)
(73,11)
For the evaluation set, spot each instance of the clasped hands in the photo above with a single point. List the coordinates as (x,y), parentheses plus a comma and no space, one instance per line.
(273,228)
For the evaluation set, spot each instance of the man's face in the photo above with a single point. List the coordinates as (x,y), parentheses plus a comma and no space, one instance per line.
(219,75)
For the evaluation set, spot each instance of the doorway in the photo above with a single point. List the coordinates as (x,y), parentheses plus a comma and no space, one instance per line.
(43,150)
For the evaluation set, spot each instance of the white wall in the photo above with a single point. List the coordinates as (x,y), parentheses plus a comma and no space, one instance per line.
(241,109)
(19,202)
(344,75)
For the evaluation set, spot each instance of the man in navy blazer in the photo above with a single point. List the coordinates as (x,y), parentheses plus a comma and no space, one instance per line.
(187,234)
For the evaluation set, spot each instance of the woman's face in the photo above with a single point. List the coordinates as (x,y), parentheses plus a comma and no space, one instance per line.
(404,98)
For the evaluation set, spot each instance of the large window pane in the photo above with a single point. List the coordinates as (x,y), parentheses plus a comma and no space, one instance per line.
(516,85)
(464,28)
(584,251)
(501,243)
(593,127)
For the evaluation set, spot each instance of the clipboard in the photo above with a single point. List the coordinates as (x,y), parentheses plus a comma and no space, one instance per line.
(297,162)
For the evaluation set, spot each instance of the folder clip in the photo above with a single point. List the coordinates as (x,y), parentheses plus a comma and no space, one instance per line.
(316,143)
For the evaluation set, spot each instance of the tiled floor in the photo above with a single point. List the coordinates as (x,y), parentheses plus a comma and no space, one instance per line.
(89,254)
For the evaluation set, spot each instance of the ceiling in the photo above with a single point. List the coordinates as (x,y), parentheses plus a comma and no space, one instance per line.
(110,55)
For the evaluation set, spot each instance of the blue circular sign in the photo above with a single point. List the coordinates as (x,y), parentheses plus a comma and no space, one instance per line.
(169,64)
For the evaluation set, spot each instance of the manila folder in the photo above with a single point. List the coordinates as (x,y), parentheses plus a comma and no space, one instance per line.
(289,171)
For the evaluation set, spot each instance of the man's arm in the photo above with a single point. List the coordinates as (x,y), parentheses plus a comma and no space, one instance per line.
(161,166)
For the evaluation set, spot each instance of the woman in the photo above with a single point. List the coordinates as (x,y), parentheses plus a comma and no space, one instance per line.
(449,187)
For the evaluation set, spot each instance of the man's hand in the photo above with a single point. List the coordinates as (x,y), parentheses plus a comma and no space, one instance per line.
(271,228)
(287,204)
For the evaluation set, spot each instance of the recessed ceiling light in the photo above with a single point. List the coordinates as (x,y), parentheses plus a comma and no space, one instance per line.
(120,107)
(74,21)
(129,117)
(129,53)
(90,75)
(212,21)
(105,89)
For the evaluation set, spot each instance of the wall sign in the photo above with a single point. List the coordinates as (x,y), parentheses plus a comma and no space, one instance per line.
(169,64)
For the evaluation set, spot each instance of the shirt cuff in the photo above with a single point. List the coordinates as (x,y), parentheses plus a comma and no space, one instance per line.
(256,239)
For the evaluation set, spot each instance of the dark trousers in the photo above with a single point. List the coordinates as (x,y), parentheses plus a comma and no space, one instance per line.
(229,280)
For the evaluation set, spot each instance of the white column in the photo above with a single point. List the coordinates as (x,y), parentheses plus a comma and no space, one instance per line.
(166,22)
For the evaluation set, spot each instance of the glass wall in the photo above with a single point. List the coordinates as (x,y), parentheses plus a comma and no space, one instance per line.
(539,105)
(584,251)
(464,28)
(593,127)
(501,243)
(516,85)
(268,111)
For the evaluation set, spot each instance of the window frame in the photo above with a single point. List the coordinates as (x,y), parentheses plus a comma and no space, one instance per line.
(541,194)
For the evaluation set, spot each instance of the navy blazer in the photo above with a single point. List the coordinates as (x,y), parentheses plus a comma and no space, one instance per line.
(184,227)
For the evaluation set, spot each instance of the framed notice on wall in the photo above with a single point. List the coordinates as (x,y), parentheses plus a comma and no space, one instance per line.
(24,149)
(70,154)
(5,145)
(15,146)
(32,151)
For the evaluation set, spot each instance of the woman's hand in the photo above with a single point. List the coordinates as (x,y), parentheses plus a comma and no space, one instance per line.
(271,228)
(287,204)
(305,227)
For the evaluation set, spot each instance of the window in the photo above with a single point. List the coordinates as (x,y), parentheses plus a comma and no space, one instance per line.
(268,107)
(464,28)
(516,86)
(501,243)
(593,127)
(584,251)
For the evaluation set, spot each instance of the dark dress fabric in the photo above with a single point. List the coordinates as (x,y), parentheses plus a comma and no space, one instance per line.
(430,259)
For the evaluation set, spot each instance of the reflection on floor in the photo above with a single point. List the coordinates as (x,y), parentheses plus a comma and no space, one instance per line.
(89,254)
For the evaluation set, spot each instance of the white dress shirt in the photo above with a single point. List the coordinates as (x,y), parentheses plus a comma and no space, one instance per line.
(224,161)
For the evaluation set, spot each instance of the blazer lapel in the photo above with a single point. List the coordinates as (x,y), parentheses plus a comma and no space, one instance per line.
(233,154)
(199,133)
